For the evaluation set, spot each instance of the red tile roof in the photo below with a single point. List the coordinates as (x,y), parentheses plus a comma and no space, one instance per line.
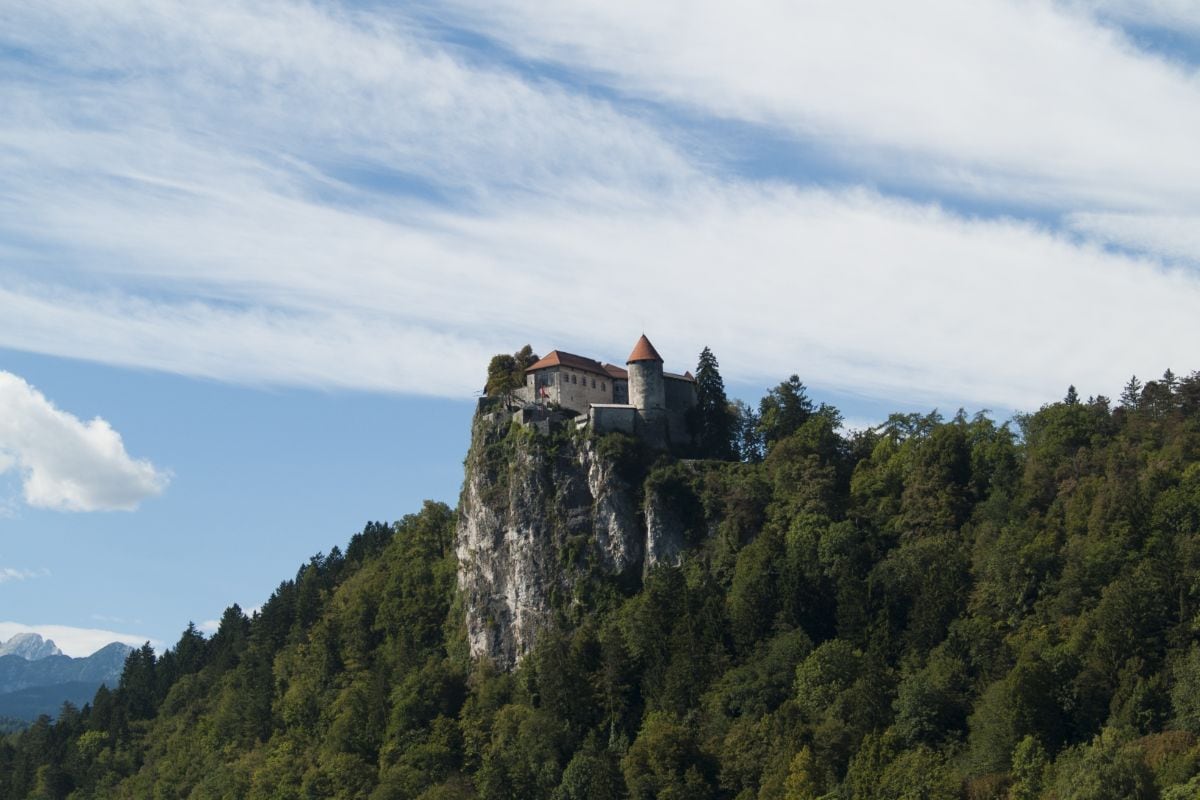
(643,351)
(616,373)
(557,358)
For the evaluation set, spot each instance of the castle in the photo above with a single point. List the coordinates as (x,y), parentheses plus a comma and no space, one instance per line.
(641,400)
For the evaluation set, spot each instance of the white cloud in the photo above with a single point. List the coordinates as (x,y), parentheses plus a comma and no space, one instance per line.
(357,348)
(858,292)
(77,642)
(1014,99)
(1174,236)
(13,574)
(67,464)
(1176,15)
(281,87)
(213,206)
(853,290)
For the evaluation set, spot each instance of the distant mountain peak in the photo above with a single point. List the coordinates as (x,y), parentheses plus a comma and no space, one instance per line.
(29,646)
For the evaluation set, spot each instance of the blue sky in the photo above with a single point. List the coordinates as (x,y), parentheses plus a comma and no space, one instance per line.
(254,256)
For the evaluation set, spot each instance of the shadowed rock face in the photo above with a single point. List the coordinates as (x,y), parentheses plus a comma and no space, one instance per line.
(537,516)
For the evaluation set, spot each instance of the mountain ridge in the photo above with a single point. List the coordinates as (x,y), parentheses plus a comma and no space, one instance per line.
(29,688)
(29,646)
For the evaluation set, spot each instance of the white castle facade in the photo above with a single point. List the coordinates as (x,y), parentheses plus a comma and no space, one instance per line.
(640,399)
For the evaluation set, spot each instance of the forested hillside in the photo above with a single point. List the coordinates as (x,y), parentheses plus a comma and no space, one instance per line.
(939,608)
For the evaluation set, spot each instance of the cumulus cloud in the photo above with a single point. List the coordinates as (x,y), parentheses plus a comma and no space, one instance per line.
(65,463)
(77,642)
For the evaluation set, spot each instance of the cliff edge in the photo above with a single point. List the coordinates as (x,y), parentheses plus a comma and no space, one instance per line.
(544,518)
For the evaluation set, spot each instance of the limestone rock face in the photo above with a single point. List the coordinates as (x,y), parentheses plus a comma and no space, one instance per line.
(619,541)
(664,533)
(538,515)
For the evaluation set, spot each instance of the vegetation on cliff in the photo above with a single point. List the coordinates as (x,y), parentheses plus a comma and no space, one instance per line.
(939,608)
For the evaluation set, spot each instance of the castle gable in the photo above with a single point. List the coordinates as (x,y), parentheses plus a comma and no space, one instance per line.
(560,358)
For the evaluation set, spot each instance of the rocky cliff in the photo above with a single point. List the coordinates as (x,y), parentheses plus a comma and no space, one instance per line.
(542,518)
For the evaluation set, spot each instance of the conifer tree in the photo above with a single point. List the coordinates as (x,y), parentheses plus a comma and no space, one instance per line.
(783,410)
(748,440)
(713,419)
(1132,393)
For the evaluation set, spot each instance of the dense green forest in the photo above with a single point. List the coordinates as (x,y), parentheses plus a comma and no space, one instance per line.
(937,608)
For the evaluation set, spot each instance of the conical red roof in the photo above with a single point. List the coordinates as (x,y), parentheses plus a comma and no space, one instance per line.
(644,351)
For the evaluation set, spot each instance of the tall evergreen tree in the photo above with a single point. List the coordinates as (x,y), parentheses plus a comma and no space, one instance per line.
(748,440)
(783,410)
(1132,393)
(713,418)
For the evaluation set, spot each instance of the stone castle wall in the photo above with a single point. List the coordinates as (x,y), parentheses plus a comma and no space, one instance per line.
(681,398)
(649,404)
(586,389)
(646,389)
(612,418)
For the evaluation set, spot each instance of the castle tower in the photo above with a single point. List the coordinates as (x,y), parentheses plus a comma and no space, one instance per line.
(647,393)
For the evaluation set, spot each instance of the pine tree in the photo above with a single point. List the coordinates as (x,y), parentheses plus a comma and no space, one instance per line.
(783,410)
(1132,393)
(748,440)
(713,420)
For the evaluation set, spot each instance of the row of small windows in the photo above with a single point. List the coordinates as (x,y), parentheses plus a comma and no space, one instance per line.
(547,379)
(575,379)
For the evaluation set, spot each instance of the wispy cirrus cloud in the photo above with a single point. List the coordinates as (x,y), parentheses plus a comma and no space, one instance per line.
(863,291)
(9,574)
(290,92)
(300,193)
(1031,101)
(1176,15)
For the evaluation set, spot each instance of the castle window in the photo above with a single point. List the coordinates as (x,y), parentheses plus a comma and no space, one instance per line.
(593,383)
(573,379)
(603,388)
(550,379)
